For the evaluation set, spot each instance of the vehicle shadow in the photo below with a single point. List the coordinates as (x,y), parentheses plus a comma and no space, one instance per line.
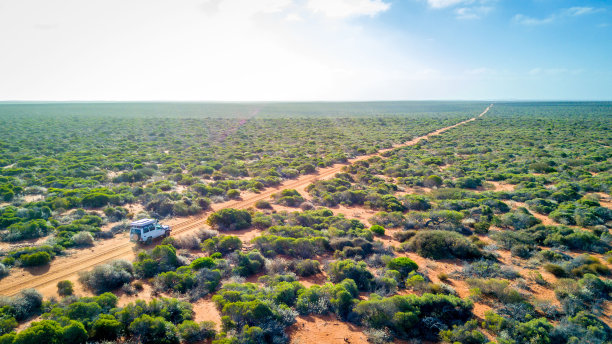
(38,270)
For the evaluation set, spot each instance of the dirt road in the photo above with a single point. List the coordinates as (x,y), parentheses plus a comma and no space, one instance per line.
(67,267)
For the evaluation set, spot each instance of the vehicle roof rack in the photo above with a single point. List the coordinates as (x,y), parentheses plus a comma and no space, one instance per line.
(142,222)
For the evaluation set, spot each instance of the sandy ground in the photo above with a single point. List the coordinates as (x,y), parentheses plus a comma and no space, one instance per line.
(499,186)
(205,310)
(324,329)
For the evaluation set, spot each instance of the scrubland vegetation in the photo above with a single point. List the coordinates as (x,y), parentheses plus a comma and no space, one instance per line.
(495,231)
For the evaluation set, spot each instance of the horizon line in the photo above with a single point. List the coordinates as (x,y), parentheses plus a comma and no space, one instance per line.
(304,101)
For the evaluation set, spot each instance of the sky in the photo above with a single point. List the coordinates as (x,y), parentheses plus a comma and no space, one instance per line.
(303,50)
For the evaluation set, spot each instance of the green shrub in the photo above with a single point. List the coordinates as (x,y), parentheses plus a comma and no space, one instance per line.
(482,227)
(261,204)
(154,330)
(305,268)
(44,331)
(83,239)
(416,202)
(321,299)
(74,333)
(402,236)
(464,334)
(555,269)
(437,244)
(519,219)
(233,194)
(494,322)
(35,259)
(498,288)
(404,265)
(23,305)
(414,316)
(223,244)
(107,277)
(378,230)
(203,262)
(486,269)
(65,288)
(249,263)
(230,219)
(192,332)
(350,269)
(432,181)
(521,251)
(27,230)
(95,200)
(106,327)
(162,258)
(536,331)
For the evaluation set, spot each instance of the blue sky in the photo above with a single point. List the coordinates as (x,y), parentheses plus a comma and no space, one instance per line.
(232,50)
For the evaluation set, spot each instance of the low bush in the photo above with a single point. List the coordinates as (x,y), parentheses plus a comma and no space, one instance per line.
(519,219)
(584,327)
(350,269)
(229,219)
(261,204)
(4,270)
(555,269)
(248,264)
(160,259)
(497,288)
(271,245)
(305,268)
(65,288)
(522,251)
(402,236)
(23,305)
(107,277)
(404,265)
(289,198)
(192,332)
(35,259)
(223,244)
(586,264)
(437,244)
(149,330)
(464,334)
(187,241)
(414,316)
(482,227)
(378,230)
(83,239)
(320,299)
(257,315)
(488,269)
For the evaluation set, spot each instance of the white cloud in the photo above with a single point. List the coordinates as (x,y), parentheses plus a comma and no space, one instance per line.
(347,8)
(475,12)
(464,9)
(446,3)
(530,21)
(578,11)
(554,71)
(568,12)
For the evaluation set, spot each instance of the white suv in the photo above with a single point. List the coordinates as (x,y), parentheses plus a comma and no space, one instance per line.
(145,230)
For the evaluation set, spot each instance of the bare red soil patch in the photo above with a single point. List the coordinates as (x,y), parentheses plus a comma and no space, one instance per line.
(324,329)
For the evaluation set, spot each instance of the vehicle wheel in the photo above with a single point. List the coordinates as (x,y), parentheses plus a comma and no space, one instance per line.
(149,241)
